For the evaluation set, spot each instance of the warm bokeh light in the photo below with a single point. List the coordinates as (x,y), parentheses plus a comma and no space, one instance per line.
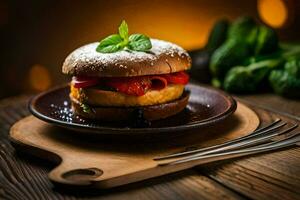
(273,12)
(184,23)
(39,77)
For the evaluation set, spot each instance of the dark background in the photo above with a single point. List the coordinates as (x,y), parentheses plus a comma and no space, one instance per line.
(36,36)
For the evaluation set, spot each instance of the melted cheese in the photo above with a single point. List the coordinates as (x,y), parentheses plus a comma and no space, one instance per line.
(98,97)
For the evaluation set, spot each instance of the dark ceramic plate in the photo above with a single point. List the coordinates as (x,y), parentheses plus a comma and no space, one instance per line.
(206,106)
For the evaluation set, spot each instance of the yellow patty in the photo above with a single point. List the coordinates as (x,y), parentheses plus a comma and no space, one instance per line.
(98,97)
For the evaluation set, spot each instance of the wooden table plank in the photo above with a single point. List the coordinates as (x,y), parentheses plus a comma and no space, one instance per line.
(261,177)
(275,102)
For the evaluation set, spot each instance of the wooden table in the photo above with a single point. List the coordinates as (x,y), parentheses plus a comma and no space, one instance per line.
(271,176)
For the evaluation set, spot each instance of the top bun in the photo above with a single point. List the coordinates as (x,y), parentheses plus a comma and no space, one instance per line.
(163,58)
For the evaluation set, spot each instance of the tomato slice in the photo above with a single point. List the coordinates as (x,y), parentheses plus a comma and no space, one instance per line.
(136,86)
(83,82)
(177,78)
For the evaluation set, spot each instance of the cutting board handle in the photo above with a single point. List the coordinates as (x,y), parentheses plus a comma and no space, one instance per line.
(74,176)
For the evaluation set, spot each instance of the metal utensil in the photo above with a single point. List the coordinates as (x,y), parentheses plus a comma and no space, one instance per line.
(270,137)
(268,128)
(237,153)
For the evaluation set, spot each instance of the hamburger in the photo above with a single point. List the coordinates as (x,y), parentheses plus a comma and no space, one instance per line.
(111,83)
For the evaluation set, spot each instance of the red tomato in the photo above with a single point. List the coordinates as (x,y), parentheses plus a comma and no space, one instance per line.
(177,78)
(136,86)
(83,82)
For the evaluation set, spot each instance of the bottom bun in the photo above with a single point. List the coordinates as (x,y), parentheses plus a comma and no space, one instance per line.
(153,112)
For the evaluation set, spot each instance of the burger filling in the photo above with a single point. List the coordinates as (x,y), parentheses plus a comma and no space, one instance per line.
(129,91)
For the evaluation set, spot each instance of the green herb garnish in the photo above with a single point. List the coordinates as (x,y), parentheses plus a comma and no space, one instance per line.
(85,108)
(117,42)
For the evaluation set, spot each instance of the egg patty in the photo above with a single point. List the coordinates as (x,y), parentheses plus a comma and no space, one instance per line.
(97,97)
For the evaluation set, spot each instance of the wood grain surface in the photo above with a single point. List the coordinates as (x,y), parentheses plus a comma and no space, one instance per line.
(266,176)
(109,162)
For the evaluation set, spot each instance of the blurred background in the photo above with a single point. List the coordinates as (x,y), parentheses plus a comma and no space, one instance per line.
(37,35)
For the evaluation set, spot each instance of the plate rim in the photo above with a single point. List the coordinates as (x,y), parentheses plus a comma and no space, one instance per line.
(122,131)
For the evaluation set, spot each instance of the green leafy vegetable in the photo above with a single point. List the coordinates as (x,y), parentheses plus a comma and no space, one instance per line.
(139,42)
(117,42)
(123,30)
(217,35)
(216,83)
(293,67)
(236,49)
(257,58)
(243,29)
(85,108)
(240,80)
(230,54)
(286,82)
(266,42)
(250,56)
(110,44)
(243,79)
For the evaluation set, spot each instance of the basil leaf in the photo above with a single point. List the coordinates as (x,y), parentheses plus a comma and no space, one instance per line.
(139,42)
(117,42)
(123,30)
(110,44)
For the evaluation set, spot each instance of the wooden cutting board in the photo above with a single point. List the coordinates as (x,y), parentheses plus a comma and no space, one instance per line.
(111,161)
